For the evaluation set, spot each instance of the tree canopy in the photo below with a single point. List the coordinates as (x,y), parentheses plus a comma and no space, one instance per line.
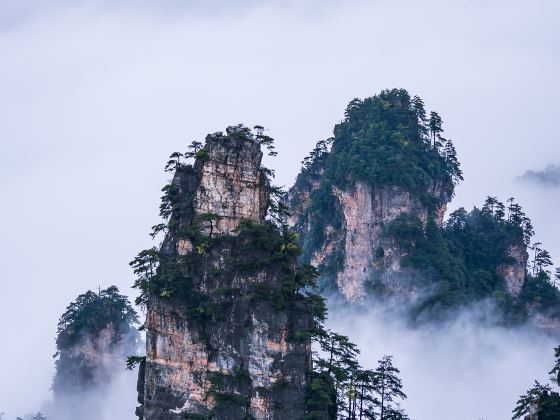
(91,312)
(387,140)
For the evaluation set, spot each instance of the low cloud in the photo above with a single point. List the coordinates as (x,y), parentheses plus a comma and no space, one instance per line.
(114,400)
(549,176)
(466,368)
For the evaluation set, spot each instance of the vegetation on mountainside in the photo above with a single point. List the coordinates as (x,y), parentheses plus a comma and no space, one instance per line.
(459,262)
(256,247)
(91,312)
(105,315)
(385,140)
(389,140)
(340,387)
(540,401)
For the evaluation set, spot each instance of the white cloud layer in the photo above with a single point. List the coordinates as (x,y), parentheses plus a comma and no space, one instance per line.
(464,369)
(95,95)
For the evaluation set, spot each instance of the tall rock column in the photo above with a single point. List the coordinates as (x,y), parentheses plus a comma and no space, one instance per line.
(226,335)
(384,167)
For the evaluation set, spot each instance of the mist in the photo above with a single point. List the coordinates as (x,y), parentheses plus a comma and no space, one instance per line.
(549,176)
(465,368)
(95,95)
(113,400)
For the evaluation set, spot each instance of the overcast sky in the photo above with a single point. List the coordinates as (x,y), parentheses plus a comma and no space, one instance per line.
(94,95)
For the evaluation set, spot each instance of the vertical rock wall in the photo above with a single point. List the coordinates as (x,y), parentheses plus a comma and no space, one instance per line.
(367,213)
(229,348)
(231,184)
(369,254)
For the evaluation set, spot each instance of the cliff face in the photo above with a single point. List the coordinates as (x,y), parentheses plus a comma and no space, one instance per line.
(231,184)
(224,338)
(515,269)
(370,257)
(386,164)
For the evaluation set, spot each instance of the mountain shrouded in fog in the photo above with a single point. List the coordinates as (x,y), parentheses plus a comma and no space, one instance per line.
(249,293)
(369,206)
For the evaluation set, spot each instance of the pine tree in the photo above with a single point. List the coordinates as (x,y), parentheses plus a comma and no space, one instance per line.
(388,386)
(556,369)
(529,399)
(435,125)
(174,162)
(193,149)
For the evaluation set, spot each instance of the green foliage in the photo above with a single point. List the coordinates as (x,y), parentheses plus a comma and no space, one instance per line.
(530,398)
(388,387)
(320,398)
(264,140)
(132,361)
(540,399)
(206,222)
(538,291)
(549,406)
(460,262)
(556,369)
(91,312)
(326,212)
(407,230)
(221,384)
(257,248)
(145,267)
(385,140)
(281,384)
(340,385)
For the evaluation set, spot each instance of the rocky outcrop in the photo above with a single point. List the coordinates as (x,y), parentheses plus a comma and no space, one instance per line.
(231,184)
(515,269)
(95,335)
(224,339)
(92,361)
(370,257)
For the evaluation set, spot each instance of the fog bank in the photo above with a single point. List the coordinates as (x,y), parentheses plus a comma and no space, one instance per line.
(464,369)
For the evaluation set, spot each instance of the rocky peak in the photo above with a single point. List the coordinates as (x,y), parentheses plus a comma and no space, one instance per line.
(383,163)
(222,331)
(231,182)
(96,334)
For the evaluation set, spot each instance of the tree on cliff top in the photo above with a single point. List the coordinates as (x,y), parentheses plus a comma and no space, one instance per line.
(85,320)
(383,141)
(91,312)
(386,140)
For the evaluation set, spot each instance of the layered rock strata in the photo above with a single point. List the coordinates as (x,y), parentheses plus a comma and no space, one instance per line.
(366,255)
(224,339)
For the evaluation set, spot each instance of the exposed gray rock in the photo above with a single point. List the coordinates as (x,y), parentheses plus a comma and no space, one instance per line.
(515,270)
(369,254)
(229,348)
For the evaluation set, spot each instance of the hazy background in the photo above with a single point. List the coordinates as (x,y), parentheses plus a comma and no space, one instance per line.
(94,95)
